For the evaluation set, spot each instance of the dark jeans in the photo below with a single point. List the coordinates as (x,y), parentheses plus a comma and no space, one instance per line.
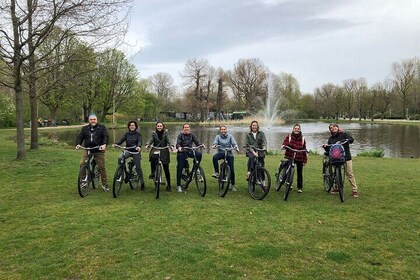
(251,160)
(154,162)
(230,161)
(136,158)
(299,171)
(181,157)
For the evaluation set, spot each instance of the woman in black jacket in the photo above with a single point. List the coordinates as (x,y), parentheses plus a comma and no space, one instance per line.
(160,138)
(132,138)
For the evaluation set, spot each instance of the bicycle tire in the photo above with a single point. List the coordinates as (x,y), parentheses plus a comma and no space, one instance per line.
(340,183)
(326,177)
(118,181)
(158,180)
(200,181)
(83,181)
(133,181)
(224,179)
(96,175)
(280,175)
(259,183)
(289,182)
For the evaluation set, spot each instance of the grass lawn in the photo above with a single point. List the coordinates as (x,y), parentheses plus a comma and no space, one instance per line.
(49,232)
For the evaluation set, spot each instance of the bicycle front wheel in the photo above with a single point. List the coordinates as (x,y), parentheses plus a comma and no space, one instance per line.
(289,182)
(200,181)
(158,179)
(83,182)
(118,181)
(95,174)
(340,182)
(281,175)
(259,183)
(326,176)
(224,179)
(133,181)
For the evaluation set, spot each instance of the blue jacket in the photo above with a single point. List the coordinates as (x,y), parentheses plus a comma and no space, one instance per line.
(226,141)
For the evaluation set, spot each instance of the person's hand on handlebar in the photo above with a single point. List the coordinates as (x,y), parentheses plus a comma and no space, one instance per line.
(78,146)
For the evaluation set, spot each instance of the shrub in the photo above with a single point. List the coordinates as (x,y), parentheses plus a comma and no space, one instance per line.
(372,153)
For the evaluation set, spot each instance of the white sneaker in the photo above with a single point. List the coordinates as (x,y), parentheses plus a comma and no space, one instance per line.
(215,175)
(105,188)
(179,189)
(299,190)
(233,188)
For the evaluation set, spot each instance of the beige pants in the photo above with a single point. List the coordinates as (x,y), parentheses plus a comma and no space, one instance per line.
(350,176)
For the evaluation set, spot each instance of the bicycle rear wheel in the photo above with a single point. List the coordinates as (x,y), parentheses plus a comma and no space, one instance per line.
(200,181)
(289,182)
(224,179)
(259,183)
(340,182)
(118,181)
(95,174)
(158,179)
(83,181)
(281,175)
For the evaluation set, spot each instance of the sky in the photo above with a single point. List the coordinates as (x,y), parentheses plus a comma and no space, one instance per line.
(317,41)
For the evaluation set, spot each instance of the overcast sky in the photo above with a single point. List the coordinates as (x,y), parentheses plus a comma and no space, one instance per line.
(317,41)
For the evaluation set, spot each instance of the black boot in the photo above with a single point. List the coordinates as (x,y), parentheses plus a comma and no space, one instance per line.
(142,187)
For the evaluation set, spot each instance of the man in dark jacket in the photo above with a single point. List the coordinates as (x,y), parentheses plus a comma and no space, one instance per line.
(337,136)
(185,139)
(95,134)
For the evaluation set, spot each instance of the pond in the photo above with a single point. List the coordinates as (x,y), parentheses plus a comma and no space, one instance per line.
(395,140)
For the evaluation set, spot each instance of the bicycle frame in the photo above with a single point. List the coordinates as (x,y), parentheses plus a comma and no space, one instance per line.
(85,180)
(196,172)
(259,181)
(224,178)
(157,178)
(127,174)
(196,164)
(336,173)
(290,171)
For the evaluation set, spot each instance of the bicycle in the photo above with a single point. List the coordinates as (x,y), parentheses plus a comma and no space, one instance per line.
(259,181)
(197,172)
(125,173)
(333,173)
(225,172)
(88,173)
(286,172)
(157,176)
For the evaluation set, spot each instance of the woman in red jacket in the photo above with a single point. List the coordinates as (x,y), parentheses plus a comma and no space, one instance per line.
(296,141)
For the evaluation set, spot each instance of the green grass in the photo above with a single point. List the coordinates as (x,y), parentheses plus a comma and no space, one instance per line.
(49,232)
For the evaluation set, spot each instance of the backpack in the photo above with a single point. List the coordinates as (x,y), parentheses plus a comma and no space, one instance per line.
(337,154)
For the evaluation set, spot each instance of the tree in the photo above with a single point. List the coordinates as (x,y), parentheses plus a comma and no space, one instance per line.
(287,88)
(24,26)
(194,74)
(248,83)
(163,85)
(404,74)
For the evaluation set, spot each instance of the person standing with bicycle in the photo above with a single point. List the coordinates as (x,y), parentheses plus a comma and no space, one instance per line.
(225,140)
(160,138)
(132,138)
(255,138)
(296,141)
(95,134)
(185,139)
(339,136)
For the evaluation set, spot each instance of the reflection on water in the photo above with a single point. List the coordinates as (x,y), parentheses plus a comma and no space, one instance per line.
(395,140)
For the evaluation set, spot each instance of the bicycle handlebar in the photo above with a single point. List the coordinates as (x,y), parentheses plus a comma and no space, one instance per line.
(255,148)
(294,150)
(126,149)
(160,148)
(89,148)
(338,142)
(194,148)
(224,148)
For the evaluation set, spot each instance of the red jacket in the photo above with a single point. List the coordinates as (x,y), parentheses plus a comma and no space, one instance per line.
(298,142)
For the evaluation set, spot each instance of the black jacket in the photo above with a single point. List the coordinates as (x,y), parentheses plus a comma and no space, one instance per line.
(342,136)
(131,138)
(186,140)
(93,136)
(155,141)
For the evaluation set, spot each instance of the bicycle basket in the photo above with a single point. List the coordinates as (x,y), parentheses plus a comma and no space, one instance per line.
(337,154)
